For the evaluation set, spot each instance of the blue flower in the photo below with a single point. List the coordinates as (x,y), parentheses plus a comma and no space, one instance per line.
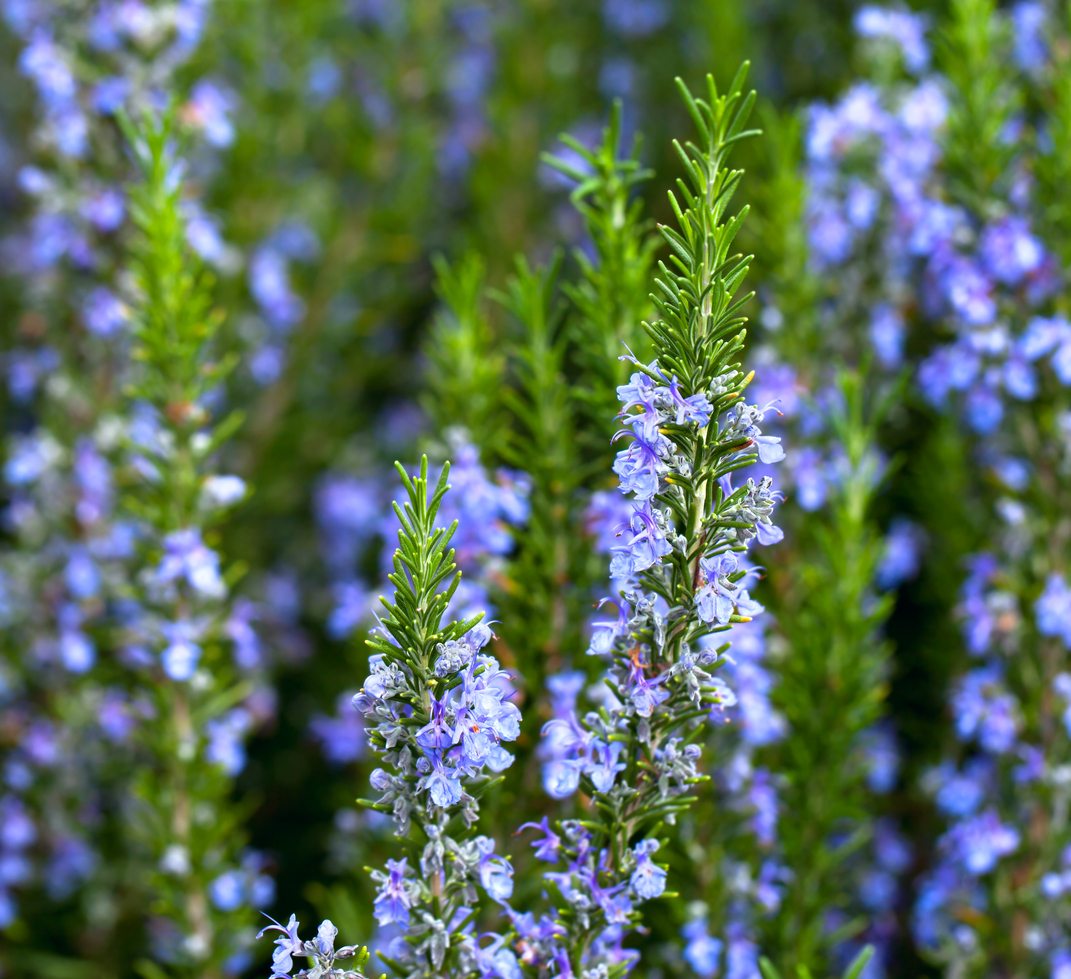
(906,30)
(394,899)
(968,291)
(644,694)
(1009,251)
(979,843)
(721,594)
(105,314)
(443,785)
(187,558)
(648,880)
(496,874)
(182,652)
(437,734)
(887,334)
(645,544)
(1030,27)
(603,765)
(985,709)
(228,890)
(1053,609)
(496,961)
(287,945)
(640,466)
(549,846)
(702,952)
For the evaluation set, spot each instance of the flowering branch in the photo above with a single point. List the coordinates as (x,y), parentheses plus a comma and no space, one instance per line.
(175,626)
(438,714)
(678,568)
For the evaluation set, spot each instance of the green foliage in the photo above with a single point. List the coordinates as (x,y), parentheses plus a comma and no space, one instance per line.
(174,326)
(778,222)
(424,578)
(549,595)
(696,296)
(854,971)
(610,295)
(1053,163)
(831,686)
(984,104)
(468,367)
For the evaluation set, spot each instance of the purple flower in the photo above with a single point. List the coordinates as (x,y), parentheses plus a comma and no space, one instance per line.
(342,736)
(721,595)
(648,880)
(443,785)
(635,18)
(695,409)
(187,558)
(978,843)
(887,334)
(209,108)
(1029,20)
(640,466)
(1009,251)
(702,952)
(645,544)
(269,282)
(906,30)
(604,764)
(645,695)
(960,793)
(45,64)
(105,315)
(549,846)
(1053,609)
(227,891)
(287,945)
(394,899)
(967,289)
(182,652)
(986,710)
(809,470)
(901,554)
(226,740)
(496,874)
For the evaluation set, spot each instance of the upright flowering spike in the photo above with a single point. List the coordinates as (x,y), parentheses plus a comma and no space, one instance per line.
(686,430)
(177,616)
(438,713)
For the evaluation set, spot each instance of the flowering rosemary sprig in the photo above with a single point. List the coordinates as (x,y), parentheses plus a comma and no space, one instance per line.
(678,566)
(174,631)
(438,714)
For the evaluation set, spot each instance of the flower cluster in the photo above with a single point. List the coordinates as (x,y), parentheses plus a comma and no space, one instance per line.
(438,714)
(320,951)
(184,641)
(463,739)
(969,251)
